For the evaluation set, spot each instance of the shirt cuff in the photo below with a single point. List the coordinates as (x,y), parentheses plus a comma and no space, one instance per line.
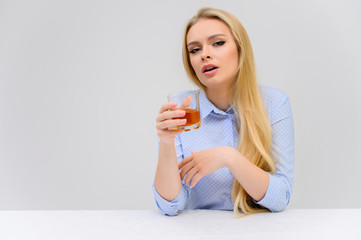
(277,196)
(174,207)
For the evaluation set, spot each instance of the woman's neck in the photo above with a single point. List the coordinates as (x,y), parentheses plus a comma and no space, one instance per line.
(219,98)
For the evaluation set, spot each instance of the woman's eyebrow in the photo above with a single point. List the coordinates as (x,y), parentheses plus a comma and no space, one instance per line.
(213,36)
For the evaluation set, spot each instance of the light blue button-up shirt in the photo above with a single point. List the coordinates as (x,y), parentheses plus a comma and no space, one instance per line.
(218,128)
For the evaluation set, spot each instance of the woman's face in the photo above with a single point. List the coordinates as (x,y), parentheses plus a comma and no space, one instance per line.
(213,53)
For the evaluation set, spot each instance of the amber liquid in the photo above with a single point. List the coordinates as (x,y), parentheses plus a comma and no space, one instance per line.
(193,118)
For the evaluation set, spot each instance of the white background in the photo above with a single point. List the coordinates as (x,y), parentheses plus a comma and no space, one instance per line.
(81,83)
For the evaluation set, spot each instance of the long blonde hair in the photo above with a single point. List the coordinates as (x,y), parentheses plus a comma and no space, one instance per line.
(252,120)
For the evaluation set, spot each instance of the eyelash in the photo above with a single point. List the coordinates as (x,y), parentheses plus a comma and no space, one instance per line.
(219,43)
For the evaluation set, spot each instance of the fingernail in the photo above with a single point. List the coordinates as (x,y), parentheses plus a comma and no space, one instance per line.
(183,120)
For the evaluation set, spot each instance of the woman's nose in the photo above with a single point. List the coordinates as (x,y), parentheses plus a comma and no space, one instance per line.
(206,54)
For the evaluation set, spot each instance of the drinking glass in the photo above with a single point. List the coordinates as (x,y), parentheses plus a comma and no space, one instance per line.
(189,102)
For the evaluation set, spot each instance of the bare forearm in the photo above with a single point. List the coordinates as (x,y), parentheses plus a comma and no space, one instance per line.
(167,179)
(252,178)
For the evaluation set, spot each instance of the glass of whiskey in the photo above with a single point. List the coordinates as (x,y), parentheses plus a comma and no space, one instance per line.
(187,101)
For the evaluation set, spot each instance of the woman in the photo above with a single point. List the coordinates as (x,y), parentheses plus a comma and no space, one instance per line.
(242,156)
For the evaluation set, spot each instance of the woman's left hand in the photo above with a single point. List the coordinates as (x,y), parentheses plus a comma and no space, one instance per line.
(203,163)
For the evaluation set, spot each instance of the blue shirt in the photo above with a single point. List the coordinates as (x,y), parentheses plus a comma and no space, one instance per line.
(218,128)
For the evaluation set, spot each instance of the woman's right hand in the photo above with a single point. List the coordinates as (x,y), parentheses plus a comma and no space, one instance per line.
(165,122)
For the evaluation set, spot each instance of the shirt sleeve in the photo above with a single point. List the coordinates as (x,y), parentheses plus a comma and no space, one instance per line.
(280,184)
(174,207)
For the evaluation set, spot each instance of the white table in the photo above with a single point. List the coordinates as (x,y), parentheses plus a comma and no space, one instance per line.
(190,224)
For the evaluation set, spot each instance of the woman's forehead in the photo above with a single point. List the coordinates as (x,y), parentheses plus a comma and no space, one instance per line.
(206,27)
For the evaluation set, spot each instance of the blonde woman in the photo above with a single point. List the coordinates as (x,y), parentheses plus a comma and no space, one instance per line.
(242,156)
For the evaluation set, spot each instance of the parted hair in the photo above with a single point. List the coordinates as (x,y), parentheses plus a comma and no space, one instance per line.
(253,125)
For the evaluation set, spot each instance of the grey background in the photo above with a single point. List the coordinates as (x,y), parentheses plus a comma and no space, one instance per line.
(81,83)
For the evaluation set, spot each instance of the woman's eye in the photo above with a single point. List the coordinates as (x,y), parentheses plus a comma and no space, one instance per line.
(219,43)
(194,50)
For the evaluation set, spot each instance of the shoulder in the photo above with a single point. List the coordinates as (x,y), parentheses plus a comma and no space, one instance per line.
(274,100)
(270,94)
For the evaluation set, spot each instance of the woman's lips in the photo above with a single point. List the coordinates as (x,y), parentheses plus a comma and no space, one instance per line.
(209,66)
(211,72)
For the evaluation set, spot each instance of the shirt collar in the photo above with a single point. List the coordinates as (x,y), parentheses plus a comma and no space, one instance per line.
(207,107)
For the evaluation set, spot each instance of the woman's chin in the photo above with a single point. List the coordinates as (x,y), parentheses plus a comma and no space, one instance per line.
(213,83)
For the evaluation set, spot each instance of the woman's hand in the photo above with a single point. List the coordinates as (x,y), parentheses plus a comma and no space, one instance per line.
(203,163)
(165,123)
